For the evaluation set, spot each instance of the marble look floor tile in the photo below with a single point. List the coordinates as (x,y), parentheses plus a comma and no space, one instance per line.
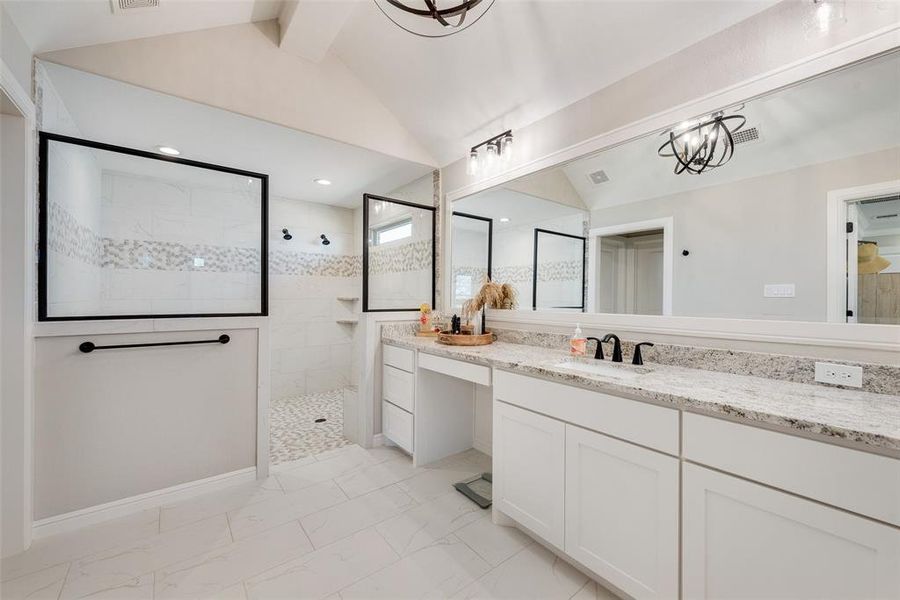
(210,573)
(235,592)
(136,588)
(332,524)
(492,542)
(431,483)
(41,585)
(125,564)
(323,470)
(594,591)
(433,572)
(324,571)
(258,517)
(216,503)
(368,479)
(427,523)
(469,460)
(65,547)
(535,572)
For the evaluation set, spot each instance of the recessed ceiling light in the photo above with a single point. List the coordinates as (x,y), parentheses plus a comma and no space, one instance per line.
(322,181)
(504,219)
(168,150)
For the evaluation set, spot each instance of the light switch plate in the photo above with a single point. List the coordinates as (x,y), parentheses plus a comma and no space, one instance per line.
(779,290)
(839,374)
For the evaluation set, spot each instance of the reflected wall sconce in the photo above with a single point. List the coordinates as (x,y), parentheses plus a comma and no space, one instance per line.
(287,234)
(325,240)
(485,157)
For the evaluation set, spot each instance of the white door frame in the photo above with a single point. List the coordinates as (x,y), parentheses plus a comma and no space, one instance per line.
(836,275)
(667,224)
(23,453)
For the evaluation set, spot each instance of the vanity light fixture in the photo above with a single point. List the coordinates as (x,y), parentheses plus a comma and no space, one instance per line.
(425,19)
(489,154)
(168,150)
(321,181)
(705,143)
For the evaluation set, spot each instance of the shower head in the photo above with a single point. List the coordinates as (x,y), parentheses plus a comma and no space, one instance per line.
(325,240)
(287,234)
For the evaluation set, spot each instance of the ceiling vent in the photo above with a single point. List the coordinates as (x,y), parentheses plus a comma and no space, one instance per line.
(598,177)
(130,7)
(745,135)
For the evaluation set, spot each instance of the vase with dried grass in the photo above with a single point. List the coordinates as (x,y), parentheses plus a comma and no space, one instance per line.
(491,295)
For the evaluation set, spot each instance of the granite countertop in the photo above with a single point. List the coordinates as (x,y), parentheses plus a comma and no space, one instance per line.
(871,420)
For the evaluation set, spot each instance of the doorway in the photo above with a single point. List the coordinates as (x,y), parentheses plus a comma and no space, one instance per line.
(873,261)
(631,268)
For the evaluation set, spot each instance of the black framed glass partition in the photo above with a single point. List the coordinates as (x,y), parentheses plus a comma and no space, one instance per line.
(398,254)
(471,247)
(558,273)
(125,233)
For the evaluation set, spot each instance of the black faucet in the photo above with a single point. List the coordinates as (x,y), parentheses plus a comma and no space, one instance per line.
(617,348)
(598,354)
(638,359)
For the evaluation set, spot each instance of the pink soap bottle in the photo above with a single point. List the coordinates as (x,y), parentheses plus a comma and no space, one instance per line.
(578,343)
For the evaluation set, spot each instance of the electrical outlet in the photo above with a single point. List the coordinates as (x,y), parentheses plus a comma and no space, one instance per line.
(839,374)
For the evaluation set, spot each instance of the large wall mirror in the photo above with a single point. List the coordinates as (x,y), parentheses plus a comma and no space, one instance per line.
(398,254)
(130,234)
(784,207)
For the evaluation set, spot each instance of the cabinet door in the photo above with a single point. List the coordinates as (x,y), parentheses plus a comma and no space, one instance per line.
(744,540)
(622,513)
(529,470)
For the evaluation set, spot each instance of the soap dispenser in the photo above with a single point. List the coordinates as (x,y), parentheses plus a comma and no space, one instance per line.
(578,343)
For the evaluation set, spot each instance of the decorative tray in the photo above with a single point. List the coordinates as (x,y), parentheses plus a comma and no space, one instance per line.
(465,339)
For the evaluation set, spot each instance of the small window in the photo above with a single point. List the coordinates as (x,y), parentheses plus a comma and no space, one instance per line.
(393,232)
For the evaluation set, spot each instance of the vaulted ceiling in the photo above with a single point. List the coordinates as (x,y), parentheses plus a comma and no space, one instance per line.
(523,61)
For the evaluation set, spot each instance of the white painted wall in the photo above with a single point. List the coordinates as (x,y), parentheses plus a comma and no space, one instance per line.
(15,386)
(763,230)
(236,67)
(769,40)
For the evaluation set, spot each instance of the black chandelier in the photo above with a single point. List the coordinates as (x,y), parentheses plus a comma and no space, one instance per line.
(703,144)
(431,20)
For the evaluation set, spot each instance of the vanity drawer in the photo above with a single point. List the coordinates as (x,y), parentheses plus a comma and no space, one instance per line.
(631,420)
(868,484)
(402,358)
(397,387)
(397,425)
(480,374)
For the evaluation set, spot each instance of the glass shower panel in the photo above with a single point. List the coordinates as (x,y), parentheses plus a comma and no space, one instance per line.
(126,234)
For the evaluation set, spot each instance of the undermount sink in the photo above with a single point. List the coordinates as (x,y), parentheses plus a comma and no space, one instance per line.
(604,369)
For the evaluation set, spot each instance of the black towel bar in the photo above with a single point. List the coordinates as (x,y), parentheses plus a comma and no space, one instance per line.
(90,346)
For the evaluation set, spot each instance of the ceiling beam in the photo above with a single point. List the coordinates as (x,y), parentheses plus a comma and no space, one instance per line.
(309,27)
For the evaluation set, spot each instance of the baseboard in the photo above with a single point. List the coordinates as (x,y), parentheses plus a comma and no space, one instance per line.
(483,447)
(119,508)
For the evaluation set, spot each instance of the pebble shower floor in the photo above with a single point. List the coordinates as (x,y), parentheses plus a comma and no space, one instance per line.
(294,432)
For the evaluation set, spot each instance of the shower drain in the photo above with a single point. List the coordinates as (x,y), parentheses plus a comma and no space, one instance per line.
(320,420)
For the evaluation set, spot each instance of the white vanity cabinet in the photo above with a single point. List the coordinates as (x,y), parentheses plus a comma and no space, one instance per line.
(530,485)
(742,539)
(398,396)
(610,504)
(622,513)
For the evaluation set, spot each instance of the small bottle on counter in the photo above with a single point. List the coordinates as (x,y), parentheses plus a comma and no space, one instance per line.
(578,343)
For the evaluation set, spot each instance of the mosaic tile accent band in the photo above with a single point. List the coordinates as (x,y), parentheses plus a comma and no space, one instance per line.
(560,270)
(415,256)
(70,238)
(283,262)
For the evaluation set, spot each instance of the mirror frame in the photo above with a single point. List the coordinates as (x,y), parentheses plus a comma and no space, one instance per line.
(44,139)
(869,340)
(365,251)
(490,252)
(534,269)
